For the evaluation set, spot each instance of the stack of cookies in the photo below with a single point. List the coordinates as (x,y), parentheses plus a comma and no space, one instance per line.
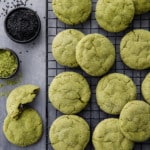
(23,125)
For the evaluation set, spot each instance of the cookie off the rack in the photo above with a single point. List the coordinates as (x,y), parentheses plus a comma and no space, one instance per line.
(20,96)
(24,131)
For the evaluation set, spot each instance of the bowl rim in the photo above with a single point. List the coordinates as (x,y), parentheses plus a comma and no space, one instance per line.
(24,41)
(18,63)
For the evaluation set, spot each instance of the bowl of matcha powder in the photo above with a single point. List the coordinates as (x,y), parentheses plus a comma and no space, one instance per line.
(9,63)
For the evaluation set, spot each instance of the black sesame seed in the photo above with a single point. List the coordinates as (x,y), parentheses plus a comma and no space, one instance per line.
(22,24)
(7,6)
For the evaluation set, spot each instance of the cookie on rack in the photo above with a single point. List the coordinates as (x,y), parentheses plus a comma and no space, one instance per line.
(18,97)
(107,135)
(135,49)
(69,92)
(146,88)
(69,132)
(72,12)
(113,91)
(114,16)
(134,121)
(141,6)
(95,54)
(64,47)
(24,131)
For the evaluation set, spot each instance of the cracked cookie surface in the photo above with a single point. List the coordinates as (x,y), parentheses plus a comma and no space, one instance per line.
(64,47)
(146,88)
(26,130)
(134,121)
(141,6)
(135,49)
(18,97)
(113,91)
(69,132)
(72,12)
(114,16)
(69,92)
(107,135)
(95,54)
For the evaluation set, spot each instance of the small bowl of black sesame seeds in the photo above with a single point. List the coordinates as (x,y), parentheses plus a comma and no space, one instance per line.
(9,63)
(22,25)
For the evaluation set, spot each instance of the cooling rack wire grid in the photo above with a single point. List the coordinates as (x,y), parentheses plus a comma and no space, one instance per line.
(92,114)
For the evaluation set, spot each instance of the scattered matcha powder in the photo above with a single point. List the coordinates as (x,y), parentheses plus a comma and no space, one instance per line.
(15,80)
(5,84)
(1,85)
(5,93)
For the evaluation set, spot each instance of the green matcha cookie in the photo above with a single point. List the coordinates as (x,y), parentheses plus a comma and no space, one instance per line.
(72,12)
(114,15)
(64,47)
(146,88)
(21,95)
(135,49)
(69,92)
(69,132)
(134,121)
(141,6)
(95,54)
(26,130)
(107,136)
(114,91)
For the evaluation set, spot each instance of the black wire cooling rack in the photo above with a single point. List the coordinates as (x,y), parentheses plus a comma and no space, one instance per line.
(92,114)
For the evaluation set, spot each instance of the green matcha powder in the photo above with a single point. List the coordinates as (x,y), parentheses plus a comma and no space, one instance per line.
(8,63)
